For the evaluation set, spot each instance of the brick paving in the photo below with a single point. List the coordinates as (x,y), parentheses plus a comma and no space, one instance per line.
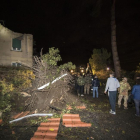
(47,130)
(73,120)
(0,121)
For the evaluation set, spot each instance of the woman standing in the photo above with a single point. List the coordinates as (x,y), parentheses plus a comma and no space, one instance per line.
(136,97)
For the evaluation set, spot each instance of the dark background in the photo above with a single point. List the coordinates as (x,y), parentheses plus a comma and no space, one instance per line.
(76,27)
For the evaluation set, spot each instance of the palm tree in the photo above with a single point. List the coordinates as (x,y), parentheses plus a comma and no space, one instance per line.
(113,42)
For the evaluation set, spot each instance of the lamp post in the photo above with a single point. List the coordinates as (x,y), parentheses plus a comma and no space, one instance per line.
(71,71)
(107,68)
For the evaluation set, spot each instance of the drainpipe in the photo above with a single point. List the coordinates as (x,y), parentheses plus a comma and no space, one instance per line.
(32,115)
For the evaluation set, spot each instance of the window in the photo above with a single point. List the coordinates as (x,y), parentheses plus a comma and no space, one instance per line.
(16,44)
(15,64)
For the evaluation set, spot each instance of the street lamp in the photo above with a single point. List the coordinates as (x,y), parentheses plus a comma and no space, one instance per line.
(107,68)
(71,71)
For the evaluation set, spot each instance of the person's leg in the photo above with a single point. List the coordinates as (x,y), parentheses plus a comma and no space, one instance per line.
(139,107)
(88,87)
(125,101)
(76,86)
(78,89)
(85,88)
(82,89)
(119,100)
(93,92)
(96,88)
(112,99)
(137,103)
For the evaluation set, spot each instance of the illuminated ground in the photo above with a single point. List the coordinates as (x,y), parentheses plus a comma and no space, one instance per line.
(122,126)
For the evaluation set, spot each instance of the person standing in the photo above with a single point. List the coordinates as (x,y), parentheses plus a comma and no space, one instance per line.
(80,82)
(111,86)
(95,85)
(123,92)
(136,97)
(76,85)
(88,81)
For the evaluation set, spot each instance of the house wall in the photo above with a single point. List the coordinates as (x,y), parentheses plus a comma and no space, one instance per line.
(7,55)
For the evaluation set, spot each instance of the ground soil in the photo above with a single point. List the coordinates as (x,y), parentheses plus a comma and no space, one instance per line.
(122,126)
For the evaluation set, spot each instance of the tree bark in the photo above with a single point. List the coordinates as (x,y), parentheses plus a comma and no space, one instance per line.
(113,42)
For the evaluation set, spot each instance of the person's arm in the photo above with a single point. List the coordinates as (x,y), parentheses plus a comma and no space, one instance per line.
(118,84)
(92,82)
(107,86)
(133,90)
(98,83)
(129,87)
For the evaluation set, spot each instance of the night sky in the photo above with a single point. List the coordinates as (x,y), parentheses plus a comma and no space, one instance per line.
(74,28)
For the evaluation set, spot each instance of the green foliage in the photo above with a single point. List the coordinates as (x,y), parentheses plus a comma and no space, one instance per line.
(23,79)
(103,74)
(138,69)
(52,57)
(5,89)
(68,65)
(38,120)
(98,60)
(14,80)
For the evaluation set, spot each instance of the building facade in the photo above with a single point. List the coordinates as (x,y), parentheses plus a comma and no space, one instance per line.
(15,48)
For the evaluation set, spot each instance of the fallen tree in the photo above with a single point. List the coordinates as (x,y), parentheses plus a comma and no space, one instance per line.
(52,83)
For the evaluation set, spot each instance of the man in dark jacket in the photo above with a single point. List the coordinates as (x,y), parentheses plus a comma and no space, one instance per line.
(136,96)
(95,85)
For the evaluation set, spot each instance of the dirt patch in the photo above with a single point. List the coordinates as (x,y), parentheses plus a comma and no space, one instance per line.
(123,126)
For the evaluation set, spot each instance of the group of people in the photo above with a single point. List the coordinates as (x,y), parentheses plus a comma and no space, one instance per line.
(113,85)
(84,84)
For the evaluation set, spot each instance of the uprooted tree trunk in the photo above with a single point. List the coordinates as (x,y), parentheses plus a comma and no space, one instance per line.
(56,93)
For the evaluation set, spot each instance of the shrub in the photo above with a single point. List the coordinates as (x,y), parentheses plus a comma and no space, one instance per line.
(13,80)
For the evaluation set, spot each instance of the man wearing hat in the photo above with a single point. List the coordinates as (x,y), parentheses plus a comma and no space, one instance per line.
(123,92)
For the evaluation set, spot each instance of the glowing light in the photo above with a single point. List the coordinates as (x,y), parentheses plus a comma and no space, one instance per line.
(52,81)
(107,68)
(82,70)
(71,71)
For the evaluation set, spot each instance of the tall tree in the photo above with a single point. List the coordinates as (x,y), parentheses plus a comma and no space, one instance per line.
(98,60)
(113,42)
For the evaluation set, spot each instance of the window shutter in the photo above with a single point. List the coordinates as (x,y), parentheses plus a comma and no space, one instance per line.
(18,64)
(14,64)
(16,44)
